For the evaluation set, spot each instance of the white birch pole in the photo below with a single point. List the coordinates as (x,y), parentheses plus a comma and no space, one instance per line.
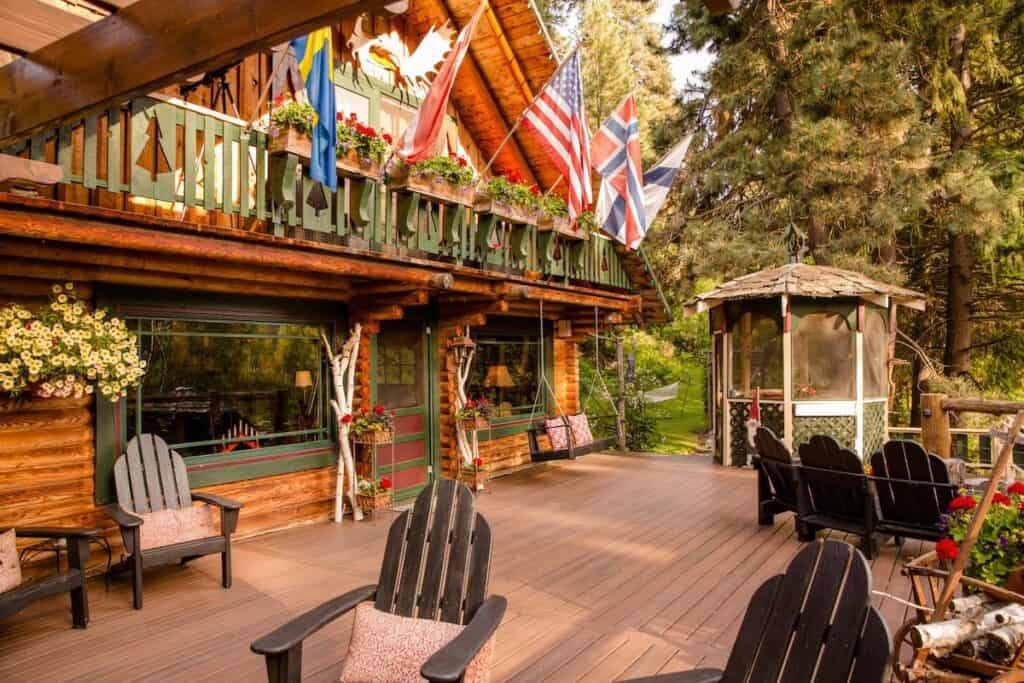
(343,373)
(464,361)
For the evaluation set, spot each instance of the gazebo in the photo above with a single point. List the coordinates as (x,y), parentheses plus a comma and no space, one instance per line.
(814,343)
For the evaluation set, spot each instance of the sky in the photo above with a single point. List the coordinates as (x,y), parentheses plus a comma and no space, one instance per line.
(685,64)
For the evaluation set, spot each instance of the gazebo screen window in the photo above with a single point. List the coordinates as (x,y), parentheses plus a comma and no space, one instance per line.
(876,354)
(756,355)
(823,358)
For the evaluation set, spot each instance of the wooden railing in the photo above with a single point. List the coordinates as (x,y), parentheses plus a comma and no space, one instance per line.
(974,445)
(938,436)
(190,159)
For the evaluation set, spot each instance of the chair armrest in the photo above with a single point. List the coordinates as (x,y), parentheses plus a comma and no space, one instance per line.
(298,629)
(223,503)
(694,676)
(55,532)
(450,662)
(121,517)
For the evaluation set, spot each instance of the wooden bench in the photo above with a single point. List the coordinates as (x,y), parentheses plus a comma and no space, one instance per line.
(572,449)
(913,491)
(778,481)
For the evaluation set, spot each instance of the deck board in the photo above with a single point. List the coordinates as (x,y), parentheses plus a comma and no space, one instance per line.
(614,567)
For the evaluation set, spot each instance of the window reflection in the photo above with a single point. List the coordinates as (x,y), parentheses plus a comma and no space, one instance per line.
(823,357)
(506,372)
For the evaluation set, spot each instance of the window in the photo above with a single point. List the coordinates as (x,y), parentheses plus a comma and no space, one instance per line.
(353,103)
(506,371)
(400,375)
(228,387)
(395,117)
(876,356)
(756,355)
(823,357)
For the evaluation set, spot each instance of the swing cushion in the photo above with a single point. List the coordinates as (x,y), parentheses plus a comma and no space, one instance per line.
(580,426)
(558,434)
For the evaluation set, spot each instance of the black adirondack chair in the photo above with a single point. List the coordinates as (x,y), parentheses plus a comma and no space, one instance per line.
(836,491)
(150,477)
(815,622)
(572,449)
(778,481)
(444,541)
(70,581)
(913,490)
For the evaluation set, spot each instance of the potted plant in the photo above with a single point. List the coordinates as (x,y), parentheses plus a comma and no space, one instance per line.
(66,351)
(509,196)
(998,554)
(554,217)
(374,427)
(361,149)
(291,126)
(448,179)
(474,474)
(374,495)
(475,415)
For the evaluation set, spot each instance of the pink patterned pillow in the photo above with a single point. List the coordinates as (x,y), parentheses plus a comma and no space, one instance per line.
(557,433)
(10,566)
(386,648)
(580,426)
(167,527)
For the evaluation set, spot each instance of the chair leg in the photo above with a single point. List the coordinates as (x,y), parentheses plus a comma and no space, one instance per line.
(225,564)
(805,532)
(137,580)
(78,556)
(285,667)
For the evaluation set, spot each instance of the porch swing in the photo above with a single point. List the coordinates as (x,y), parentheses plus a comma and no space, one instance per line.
(569,436)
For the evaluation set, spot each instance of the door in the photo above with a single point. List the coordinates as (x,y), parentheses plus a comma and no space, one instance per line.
(403,381)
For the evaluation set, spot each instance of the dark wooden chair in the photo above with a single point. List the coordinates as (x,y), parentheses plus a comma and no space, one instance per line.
(815,622)
(150,478)
(913,491)
(572,450)
(70,581)
(436,566)
(836,491)
(778,481)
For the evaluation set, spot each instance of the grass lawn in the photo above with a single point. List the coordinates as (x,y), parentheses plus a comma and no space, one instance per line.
(679,424)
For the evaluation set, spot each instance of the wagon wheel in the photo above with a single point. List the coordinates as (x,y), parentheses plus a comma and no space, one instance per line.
(901,671)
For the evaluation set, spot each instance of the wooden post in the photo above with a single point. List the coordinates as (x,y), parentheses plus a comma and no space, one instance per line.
(620,407)
(787,375)
(935,434)
(746,344)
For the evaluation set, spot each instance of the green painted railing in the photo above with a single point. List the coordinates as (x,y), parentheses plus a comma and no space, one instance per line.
(166,151)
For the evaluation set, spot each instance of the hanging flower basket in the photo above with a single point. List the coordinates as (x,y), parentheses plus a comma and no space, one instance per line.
(289,140)
(474,424)
(355,166)
(377,501)
(563,226)
(428,178)
(513,213)
(374,437)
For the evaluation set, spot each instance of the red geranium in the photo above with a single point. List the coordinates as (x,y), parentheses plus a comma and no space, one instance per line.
(352,116)
(1001,499)
(385,483)
(379,409)
(1016,489)
(482,401)
(962,503)
(387,138)
(478,462)
(535,191)
(346,418)
(947,549)
(279,100)
(462,162)
(339,116)
(471,403)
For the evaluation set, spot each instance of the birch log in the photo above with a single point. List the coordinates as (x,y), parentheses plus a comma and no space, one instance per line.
(343,373)
(463,363)
(1002,644)
(944,636)
(971,605)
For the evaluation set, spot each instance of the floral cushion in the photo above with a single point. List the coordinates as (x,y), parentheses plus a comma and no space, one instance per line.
(580,427)
(557,433)
(10,566)
(167,527)
(386,648)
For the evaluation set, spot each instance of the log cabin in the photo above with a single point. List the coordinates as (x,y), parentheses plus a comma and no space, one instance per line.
(175,212)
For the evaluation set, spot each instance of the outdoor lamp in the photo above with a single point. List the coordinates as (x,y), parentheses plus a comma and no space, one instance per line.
(498,376)
(303,379)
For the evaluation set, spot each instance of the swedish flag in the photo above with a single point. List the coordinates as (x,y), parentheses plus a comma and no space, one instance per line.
(315,56)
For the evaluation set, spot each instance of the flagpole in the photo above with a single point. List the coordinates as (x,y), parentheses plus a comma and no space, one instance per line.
(554,185)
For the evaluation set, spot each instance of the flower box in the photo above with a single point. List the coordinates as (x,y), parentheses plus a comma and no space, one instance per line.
(563,226)
(352,165)
(374,437)
(377,501)
(474,424)
(474,479)
(288,140)
(484,203)
(430,186)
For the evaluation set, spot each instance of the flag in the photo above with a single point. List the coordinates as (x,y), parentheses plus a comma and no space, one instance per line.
(558,119)
(615,153)
(315,56)
(418,141)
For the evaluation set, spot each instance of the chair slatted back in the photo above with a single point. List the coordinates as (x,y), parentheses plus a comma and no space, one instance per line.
(813,623)
(834,477)
(438,556)
(906,503)
(151,477)
(777,463)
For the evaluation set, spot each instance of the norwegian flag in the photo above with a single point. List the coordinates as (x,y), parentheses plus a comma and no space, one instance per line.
(559,120)
(615,153)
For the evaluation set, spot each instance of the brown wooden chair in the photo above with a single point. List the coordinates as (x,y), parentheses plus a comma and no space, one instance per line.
(152,488)
(70,581)
(815,622)
(436,566)
(913,491)
(778,481)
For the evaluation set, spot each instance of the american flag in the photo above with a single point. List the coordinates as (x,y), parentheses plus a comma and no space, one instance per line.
(559,120)
(616,156)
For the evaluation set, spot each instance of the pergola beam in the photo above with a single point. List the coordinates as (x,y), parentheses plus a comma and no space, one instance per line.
(149,45)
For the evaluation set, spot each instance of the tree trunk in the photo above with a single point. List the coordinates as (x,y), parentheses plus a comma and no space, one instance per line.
(960,299)
(817,242)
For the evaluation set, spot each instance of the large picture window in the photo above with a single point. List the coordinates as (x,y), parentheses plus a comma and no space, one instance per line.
(506,371)
(219,387)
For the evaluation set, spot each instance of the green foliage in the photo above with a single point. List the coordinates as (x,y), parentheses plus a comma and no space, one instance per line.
(1000,546)
(376,420)
(452,169)
(367,143)
(298,115)
(553,205)
(511,189)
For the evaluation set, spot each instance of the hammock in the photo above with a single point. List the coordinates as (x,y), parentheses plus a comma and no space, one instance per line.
(662,394)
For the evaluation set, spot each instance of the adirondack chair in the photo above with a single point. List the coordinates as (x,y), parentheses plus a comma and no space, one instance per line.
(913,490)
(157,516)
(444,541)
(836,491)
(815,622)
(778,482)
(71,581)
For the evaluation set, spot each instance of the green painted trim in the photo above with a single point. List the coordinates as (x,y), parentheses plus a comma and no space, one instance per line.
(224,475)
(386,468)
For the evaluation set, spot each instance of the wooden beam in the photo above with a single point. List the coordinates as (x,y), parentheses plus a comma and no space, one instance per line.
(473,320)
(28,25)
(147,46)
(418,297)
(378,313)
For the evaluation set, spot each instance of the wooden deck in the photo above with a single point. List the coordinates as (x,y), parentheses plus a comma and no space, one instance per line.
(614,567)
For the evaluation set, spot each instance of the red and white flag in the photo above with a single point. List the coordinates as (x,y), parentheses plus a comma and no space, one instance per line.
(559,120)
(418,141)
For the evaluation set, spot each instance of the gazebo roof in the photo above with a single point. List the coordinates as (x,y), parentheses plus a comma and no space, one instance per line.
(801,279)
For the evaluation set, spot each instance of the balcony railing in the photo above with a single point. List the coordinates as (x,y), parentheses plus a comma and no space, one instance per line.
(191,161)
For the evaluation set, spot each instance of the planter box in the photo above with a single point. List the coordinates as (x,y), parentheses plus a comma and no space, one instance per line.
(475,480)
(290,141)
(378,501)
(352,165)
(430,186)
(561,225)
(484,203)
(374,438)
(474,424)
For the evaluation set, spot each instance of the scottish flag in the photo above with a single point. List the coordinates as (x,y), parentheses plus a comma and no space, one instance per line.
(315,57)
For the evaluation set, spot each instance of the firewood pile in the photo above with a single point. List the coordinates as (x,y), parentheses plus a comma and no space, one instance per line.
(980,627)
